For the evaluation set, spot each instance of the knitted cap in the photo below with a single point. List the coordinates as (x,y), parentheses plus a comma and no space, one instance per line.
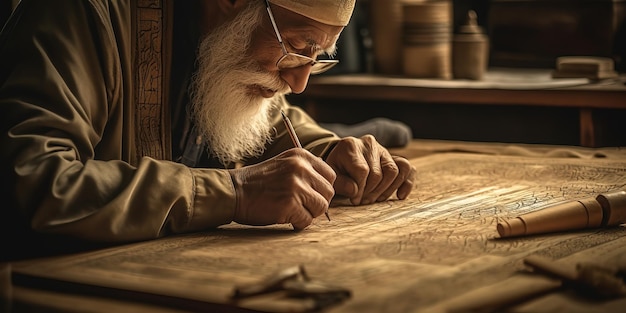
(330,12)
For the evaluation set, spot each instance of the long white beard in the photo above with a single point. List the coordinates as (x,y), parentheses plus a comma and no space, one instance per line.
(234,122)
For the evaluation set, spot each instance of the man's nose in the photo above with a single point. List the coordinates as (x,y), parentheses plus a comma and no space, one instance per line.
(297,78)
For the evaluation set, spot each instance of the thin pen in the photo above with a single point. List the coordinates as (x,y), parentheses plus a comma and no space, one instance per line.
(296,141)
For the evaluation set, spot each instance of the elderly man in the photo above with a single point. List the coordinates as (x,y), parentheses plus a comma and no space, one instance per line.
(67,132)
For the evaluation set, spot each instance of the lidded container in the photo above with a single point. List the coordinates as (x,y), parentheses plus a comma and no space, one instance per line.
(470,50)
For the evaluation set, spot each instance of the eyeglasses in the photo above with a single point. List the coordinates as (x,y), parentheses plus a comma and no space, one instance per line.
(291,60)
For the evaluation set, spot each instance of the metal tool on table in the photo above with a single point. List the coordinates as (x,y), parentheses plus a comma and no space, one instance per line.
(592,279)
(293,283)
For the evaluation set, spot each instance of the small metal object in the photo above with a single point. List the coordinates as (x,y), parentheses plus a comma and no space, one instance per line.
(295,283)
(273,283)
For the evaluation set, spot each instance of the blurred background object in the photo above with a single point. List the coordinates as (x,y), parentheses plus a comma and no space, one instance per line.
(470,50)
(533,33)
(427,39)
(522,33)
(389,133)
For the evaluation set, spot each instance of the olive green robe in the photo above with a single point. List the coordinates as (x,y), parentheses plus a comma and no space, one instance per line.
(68,136)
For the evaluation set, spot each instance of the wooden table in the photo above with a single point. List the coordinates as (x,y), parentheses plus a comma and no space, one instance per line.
(510,105)
(437,251)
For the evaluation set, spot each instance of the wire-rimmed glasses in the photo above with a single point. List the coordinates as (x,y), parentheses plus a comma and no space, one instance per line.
(291,60)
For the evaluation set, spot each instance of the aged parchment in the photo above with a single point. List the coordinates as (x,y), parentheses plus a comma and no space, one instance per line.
(396,256)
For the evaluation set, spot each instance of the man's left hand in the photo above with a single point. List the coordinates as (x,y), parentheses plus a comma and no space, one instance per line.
(367,172)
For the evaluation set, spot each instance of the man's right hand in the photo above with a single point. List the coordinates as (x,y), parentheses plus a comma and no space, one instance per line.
(293,187)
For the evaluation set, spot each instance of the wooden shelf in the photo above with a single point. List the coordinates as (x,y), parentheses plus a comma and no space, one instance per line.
(516,88)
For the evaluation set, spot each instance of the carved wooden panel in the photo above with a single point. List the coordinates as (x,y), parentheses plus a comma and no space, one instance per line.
(151,72)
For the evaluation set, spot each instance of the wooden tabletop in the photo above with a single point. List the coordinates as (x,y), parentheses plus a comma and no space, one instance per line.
(437,251)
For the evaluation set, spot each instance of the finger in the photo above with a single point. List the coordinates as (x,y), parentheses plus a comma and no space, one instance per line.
(324,190)
(407,186)
(314,189)
(366,171)
(323,169)
(373,181)
(389,173)
(350,162)
(403,178)
(312,204)
(316,163)
(318,174)
(299,217)
(359,171)
(346,186)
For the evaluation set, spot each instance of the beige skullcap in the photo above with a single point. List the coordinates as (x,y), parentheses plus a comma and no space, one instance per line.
(331,12)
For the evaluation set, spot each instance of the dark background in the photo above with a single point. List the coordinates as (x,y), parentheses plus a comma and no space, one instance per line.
(522,33)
